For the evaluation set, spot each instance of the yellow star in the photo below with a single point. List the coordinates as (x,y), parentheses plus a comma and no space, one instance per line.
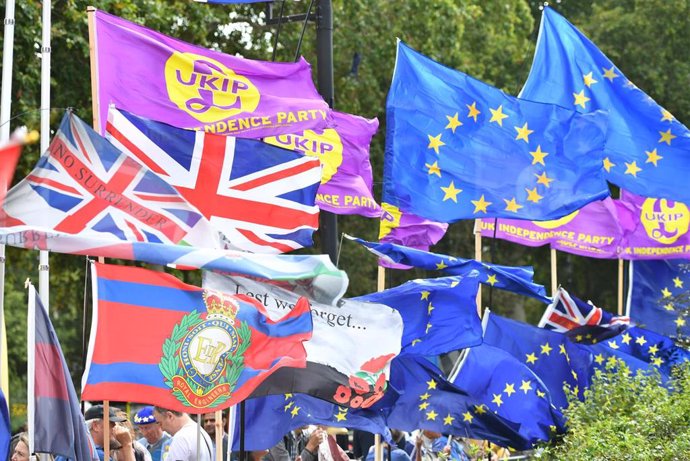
(526,386)
(435,142)
(561,349)
(640,340)
(589,80)
(666,292)
(341,417)
(608,164)
(653,157)
(580,99)
(473,111)
(433,168)
(611,361)
(613,345)
(480,205)
(431,415)
(531,358)
(599,358)
(424,396)
(479,409)
(578,338)
(657,361)
(523,133)
(428,327)
(533,195)
(491,279)
(668,306)
(451,193)
(440,266)
(632,168)
(423,406)
(288,396)
(510,389)
(498,400)
(541,394)
(415,341)
(609,73)
(497,115)
(425,295)
(625,338)
(666,116)
(288,406)
(512,205)
(546,349)
(680,322)
(430,308)
(467,417)
(678,282)
(538,156)
(453,122)
(666,136)
(295,411)
(543,179)
(653,349)
(431,384)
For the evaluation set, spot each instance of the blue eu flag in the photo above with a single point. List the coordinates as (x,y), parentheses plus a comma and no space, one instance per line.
(515,279)
(421,398)
(551,356)
(439,315)
(457,148)
(646,147)
(658,296)
(508,388)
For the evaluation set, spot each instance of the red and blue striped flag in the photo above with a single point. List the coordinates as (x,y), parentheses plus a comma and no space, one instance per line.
(159,341)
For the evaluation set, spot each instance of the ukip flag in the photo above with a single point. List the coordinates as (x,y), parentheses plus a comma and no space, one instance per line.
(646,147)
(57,426)
(158,77)
(457,148)
(186,348)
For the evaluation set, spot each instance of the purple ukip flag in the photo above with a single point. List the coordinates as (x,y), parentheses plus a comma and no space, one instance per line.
(346,177)
(59,427)
(161,78)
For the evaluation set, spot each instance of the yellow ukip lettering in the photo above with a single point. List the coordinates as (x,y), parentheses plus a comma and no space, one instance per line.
(331,199)
(358,200)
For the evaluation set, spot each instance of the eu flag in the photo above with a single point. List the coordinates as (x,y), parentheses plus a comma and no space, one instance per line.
(457,148)
(424,399)
(658,296)
(508,388)
(439,315)
(646,147)
(551,356)
(515,279)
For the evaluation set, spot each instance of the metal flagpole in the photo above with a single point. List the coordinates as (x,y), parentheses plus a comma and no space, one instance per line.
(43,267)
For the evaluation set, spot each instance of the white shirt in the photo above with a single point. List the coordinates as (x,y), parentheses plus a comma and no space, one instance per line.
(184,444)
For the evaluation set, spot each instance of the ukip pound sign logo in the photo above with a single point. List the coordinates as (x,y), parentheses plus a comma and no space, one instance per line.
(664,220)
(206,89)
(204,357)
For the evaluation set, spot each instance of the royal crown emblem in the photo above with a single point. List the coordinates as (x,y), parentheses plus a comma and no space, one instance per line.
(204,356)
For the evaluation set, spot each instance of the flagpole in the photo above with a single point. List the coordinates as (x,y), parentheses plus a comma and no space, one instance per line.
(554,272)
(5,110)
(95,107)
(478,257)
(243,455)
(219,434)
(621,267)
(31,369)
(106,429)
(380,286)
(43,263)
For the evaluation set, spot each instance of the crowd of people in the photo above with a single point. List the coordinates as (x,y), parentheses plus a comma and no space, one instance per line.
(159,434)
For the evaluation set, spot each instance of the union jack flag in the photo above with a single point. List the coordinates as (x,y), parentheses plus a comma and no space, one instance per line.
(260,197)
(84,186)
(567,313)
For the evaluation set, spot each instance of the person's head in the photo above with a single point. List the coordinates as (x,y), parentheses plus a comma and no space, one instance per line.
(147,424)
(257,455)
(21,449)
(171,420)
(94,421)
(210,423)
(431,434)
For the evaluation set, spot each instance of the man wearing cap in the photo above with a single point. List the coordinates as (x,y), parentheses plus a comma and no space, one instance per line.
(120,437)
(189,441)
(155,439)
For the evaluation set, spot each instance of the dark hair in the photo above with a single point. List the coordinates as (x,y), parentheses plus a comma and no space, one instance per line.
(163,410)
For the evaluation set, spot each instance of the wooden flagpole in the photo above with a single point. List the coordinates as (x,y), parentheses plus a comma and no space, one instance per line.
(621,267)
(219,435)
(554,272)
(380,286)
(478,257)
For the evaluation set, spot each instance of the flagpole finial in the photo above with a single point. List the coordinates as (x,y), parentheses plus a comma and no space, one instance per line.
(27,282)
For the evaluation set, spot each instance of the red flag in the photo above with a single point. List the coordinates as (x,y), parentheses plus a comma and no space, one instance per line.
(9,155)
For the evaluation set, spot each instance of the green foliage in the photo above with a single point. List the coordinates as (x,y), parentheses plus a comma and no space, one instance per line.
(628,417)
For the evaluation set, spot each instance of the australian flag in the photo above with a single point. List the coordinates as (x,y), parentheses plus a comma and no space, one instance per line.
(59,427)
(261,197)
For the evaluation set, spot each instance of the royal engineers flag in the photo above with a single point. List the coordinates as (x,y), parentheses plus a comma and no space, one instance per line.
(343,150)
(85,187)
(658,297)
(647,149)
(457,148)
(349,353)
(58,427)
(187,349)
(162,78)
(439,315)
(260,197)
